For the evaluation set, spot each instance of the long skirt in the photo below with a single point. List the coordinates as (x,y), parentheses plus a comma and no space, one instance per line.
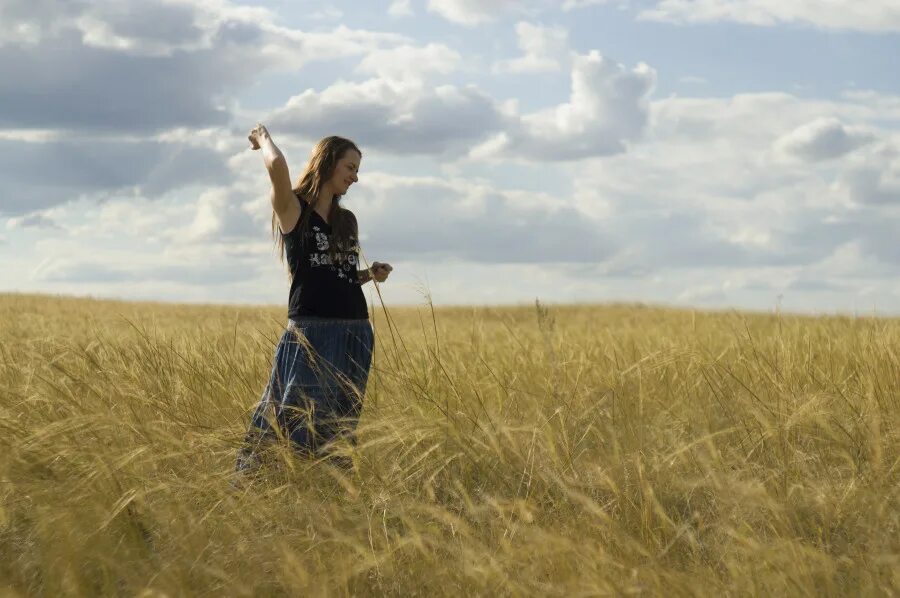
(315,392)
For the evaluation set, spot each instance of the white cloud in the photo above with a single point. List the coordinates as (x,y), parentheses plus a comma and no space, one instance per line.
(478,12)
(93,223)
(33,220)
(155,28)
(702,211)
(870,15)
(570,5)
(705,188)
(187,249)
(470,12)
(222,213)
(461,218)
(173,62)
(543,49)
(99,167)
(403,117)
(400,8)
(848,261)
(876,182)
(718,200)
(821,139)
(886,105)
(606,109)
(291,48)
(176,67)
(173,248)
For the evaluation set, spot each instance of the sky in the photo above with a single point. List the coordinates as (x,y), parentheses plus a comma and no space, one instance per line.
(707,153)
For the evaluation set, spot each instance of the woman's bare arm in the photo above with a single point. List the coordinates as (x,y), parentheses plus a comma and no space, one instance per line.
(282,192)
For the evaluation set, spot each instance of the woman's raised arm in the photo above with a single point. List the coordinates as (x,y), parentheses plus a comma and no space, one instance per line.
(282,192)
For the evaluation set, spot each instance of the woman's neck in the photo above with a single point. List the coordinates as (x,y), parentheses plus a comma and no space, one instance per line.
(326,196)
(323,204)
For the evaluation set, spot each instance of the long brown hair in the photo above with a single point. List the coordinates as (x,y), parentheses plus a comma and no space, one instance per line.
(322,162)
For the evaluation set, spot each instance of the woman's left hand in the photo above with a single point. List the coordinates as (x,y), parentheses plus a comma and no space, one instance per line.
(380,271)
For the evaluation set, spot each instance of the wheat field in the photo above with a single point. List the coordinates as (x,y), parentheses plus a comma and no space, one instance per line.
(600,450)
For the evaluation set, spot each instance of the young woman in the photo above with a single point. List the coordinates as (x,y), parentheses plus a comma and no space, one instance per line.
(314,394)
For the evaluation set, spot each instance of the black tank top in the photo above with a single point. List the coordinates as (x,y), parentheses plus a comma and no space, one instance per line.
(319,287)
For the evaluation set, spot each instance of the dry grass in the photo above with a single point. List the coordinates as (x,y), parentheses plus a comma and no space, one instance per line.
(562,451)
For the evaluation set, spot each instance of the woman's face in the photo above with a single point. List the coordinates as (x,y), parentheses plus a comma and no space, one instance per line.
(345,172)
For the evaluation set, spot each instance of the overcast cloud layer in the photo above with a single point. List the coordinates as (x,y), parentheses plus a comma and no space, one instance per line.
(512,150)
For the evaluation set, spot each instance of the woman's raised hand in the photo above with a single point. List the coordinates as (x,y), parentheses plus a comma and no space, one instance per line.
(257,135)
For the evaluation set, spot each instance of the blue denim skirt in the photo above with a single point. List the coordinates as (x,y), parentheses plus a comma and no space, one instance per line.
(315,391)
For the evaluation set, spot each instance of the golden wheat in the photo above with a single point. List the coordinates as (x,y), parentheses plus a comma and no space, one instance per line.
(553,451)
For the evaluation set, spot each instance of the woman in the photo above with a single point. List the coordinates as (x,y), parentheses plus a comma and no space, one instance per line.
(314,394)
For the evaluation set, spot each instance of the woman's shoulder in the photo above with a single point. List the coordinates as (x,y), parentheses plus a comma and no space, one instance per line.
(349,215)
(350,218)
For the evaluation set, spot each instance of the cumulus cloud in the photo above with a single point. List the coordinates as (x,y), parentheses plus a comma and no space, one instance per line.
(822,139)
(107,139)
(400,8)
(400,117)
(569,5)
(543,49)
(701,211)
(223,238)
(449,218)
(706,188)
(64,76)
(149,92)
(871,185)
(38,175)
(607,108)
(222,213)
(694,199)
(872,15)
(477,12)
(27,21)
(849,264)
(108,94)
(470,12)
(155,27)
(141,248)
(34,220)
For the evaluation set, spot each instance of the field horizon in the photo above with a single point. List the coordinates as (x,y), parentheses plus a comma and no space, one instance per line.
(551,449)
(775,309)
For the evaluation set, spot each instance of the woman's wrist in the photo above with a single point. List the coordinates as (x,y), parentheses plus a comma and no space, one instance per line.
(270,151)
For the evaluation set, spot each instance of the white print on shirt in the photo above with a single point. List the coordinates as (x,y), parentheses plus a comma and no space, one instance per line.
(344,262)
(319,259)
